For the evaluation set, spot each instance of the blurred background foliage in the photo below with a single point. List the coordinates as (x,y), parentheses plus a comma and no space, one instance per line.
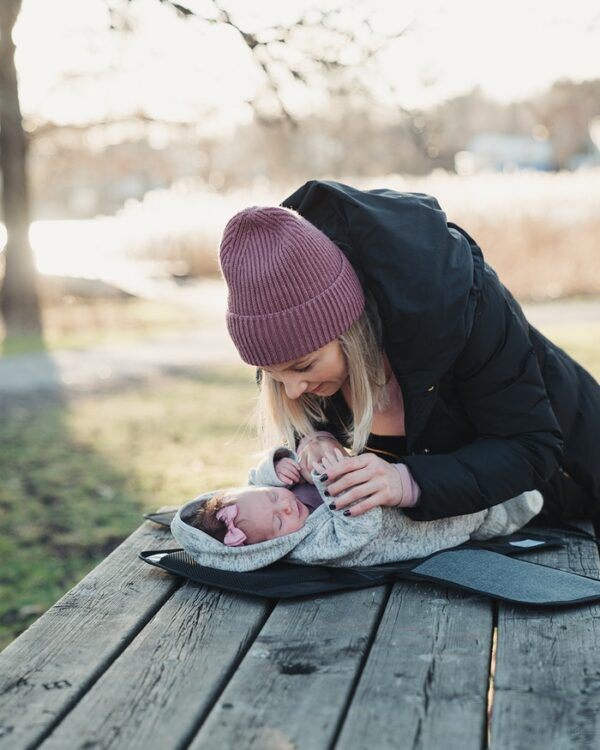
(148,122)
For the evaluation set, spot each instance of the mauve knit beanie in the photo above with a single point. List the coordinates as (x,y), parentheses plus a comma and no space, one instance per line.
(291,290)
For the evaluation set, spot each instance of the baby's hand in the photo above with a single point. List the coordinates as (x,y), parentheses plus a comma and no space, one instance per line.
(287,470)
(315,451)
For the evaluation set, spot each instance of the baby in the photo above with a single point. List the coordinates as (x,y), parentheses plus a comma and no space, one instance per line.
(251,527)
(249,516)
(252,515)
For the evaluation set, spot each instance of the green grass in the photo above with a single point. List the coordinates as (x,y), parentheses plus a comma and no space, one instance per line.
(77,478)
(581,341)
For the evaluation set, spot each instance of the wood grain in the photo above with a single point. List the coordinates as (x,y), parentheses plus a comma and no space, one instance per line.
(159,690)
(426,679)
(547,675)
(292,688)
(130,658)
(45,671)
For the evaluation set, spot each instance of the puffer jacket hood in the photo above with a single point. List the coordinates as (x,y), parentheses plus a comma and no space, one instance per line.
(408,234)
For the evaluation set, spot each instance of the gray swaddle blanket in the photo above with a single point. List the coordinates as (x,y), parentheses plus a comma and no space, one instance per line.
(329,538)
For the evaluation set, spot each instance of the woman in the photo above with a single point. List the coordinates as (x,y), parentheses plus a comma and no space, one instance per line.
(373,318)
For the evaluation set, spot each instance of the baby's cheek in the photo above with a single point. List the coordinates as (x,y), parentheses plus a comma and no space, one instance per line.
(290,528)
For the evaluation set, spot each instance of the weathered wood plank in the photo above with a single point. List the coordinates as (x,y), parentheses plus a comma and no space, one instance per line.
(426,679)
(547,675)
(291,689)
(157,692)
(47,669)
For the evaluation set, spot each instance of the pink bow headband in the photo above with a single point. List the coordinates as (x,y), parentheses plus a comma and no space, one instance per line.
(234,537)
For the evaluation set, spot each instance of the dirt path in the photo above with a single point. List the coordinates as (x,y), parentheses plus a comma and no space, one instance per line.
(106,367)
(563,312)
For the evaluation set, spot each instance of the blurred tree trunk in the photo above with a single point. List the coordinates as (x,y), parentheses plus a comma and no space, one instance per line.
(19,301)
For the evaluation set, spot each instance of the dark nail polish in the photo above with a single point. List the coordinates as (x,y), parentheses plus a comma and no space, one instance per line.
(346,512)
(326,493)
(332,506)
(323,478)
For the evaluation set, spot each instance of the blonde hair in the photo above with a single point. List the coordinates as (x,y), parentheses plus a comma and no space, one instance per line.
(281,419)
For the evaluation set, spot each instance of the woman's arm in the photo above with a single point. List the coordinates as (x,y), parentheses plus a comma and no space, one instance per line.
(431,286)
(519,441)
(499,383)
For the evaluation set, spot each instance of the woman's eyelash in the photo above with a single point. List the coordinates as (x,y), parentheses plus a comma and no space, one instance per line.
(303,369)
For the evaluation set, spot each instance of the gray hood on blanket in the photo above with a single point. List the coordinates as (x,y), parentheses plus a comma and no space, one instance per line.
(329,538)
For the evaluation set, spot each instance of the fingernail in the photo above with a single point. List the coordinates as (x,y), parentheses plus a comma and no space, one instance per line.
(326,492)
(346,512)
(332,506)
(323,478)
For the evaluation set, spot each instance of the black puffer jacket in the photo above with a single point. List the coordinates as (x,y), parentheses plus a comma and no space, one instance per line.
(492,408)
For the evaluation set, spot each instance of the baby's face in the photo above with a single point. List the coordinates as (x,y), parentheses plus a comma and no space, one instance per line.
(268,512)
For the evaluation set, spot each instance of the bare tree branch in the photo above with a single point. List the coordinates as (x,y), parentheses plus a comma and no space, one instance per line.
(267,47)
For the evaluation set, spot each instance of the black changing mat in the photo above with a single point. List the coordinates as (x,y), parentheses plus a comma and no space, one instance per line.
(484,568)
(506,578)
(162,519)
(280,580)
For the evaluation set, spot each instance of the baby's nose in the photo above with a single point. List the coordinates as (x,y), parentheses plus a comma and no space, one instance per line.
(288,505)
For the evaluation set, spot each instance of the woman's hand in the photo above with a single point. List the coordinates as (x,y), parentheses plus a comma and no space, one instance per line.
(314,451)
(287,470)
(365,481)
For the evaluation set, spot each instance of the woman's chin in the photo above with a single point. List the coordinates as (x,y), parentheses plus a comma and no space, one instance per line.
(325,390)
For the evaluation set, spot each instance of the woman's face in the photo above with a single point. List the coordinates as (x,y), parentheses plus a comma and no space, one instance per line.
(322,372)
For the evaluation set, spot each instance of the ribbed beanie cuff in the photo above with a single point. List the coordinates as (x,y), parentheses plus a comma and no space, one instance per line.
(290,288)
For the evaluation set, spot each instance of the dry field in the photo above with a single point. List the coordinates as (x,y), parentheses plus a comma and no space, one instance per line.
(540,231)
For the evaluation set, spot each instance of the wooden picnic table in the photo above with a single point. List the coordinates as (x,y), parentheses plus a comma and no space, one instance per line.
(133,657)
